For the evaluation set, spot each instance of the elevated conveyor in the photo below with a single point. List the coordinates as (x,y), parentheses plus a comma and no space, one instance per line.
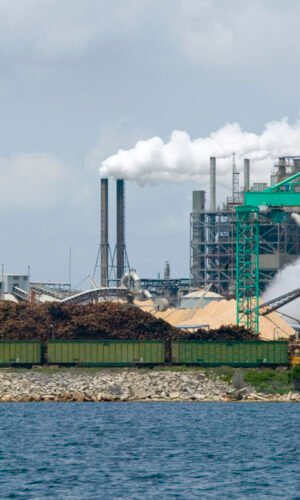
(99,295)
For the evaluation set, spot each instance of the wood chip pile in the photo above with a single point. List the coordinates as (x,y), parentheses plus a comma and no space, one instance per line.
(223,312)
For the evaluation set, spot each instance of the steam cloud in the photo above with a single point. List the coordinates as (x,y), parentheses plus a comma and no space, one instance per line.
(181,158)
(296,218)
(286,280)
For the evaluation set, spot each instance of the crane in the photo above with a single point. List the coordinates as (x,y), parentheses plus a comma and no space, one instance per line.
(282,194)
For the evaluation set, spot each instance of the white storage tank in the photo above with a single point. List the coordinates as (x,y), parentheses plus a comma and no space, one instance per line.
(199,299)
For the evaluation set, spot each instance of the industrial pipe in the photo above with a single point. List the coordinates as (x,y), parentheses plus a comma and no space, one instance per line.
(246,174)
(212,183)
(120,245)
(104,245)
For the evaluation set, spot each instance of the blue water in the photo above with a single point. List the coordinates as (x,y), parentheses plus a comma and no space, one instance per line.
(149,451)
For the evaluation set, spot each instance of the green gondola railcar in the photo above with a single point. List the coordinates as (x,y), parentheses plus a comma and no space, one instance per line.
(232,353)
(14,353)
(106,353)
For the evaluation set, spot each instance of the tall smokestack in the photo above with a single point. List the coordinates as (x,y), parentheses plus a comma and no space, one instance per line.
(120,246)
(246,174)
(212,183)
(104,245)
(235,180)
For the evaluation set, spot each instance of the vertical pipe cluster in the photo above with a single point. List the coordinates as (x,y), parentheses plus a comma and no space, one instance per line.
(120,246)
(212,180)
(246,174)
(104,245)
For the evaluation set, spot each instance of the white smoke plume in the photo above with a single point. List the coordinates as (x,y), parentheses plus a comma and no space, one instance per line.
(181,158)
(286,280)
(296,218)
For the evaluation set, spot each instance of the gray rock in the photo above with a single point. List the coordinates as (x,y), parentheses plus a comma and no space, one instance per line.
(78,396)
(139,394)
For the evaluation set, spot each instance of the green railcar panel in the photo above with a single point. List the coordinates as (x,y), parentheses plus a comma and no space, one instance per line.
(240,353)
(106,352)
(20,352)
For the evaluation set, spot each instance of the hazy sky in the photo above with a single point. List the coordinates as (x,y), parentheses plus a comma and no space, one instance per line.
(80,79)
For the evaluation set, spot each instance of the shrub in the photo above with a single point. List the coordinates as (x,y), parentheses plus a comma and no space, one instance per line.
(269,380)
(295,377)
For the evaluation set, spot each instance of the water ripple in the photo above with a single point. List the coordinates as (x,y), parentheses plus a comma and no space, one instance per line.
(149,451)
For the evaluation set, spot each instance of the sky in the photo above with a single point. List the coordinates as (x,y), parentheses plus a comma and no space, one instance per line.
(82,79)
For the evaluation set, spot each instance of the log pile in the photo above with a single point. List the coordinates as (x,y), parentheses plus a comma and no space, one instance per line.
(105,320)
(230,332)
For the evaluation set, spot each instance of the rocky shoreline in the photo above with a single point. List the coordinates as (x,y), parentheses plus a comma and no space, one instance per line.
(125,385)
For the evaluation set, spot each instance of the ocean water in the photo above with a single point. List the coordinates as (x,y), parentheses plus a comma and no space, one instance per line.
(149,450)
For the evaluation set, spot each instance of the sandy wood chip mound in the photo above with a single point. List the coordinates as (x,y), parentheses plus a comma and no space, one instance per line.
(218,313)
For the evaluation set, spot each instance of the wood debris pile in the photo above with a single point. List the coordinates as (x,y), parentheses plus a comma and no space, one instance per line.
(105,320)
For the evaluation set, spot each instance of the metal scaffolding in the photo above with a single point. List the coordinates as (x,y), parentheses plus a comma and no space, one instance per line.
(247,275)
(213,248)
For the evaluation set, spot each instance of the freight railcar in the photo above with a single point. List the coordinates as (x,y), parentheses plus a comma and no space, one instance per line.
(106,353)
(232,353)
(144,353)
(20,353)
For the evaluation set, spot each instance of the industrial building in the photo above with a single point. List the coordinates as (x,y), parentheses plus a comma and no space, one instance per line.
(12,284)
(213,232)
(258,226)
(212,237)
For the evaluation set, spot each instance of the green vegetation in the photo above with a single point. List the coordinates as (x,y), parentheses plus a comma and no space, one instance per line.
(295,377)
(179,368)
(271,381)
(265,380)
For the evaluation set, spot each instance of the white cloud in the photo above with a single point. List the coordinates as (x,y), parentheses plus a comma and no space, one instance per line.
(59,27)
(215,33)
(32,181)
(254,34)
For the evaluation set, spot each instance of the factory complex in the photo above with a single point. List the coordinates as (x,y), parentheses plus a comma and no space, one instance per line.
(213,236)
(262,238)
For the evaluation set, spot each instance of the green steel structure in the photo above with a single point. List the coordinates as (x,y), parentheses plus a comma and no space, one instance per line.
(284,194)
(247,253)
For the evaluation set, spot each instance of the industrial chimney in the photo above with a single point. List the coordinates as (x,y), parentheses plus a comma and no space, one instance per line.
(120,244)
(212,181)
(104,245)
(235,181)
(246,174)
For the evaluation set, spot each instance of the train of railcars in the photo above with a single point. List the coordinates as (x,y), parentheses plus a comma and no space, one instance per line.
(105,353)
